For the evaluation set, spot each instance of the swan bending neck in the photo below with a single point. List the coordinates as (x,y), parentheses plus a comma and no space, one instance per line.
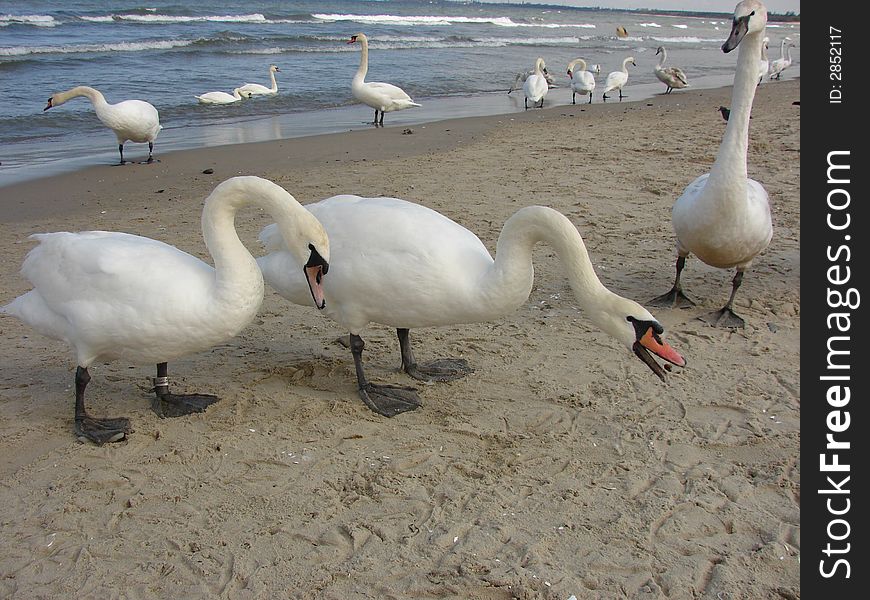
(95,96)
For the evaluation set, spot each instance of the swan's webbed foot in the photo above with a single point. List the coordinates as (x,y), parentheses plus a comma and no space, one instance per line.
(443,369)
(673,299)
(389,400)
(102,431)
(724,317)
(172,405)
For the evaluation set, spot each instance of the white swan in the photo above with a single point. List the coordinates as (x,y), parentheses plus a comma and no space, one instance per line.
(617,79)
(521,77)
(582,81)
(784,61)
(114,295)
(723,217)
(256,89)
(404,265)
(763,62)
(383,97)
(221,97)
(133,120)
(673,77)
(535,86)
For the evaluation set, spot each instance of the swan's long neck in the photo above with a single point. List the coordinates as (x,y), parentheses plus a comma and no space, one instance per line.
(274,81)
(625,65)
(663,58)
(96,98)
(363,61)
(512,274)
(729,169)
(580,62)
(236,271)
(788,53)
(782,49)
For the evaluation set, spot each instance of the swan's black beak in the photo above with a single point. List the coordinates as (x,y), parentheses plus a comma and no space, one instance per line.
(47,106)
(315,269)
(738,29)
(649,340)
(352,40)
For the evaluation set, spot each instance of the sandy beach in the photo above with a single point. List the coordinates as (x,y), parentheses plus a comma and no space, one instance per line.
(561,467)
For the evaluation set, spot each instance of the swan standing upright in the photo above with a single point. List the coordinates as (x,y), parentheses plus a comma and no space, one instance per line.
(763,62)
(535,86)
(673,77)
(133,120)
(617,79)
(723,217)
(521,77)
(404,265)
(383,97)
(582,81)
(114,295)
(256,89)
(221,97)
(784,61)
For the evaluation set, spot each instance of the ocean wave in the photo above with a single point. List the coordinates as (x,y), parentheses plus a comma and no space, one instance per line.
(650,25)
(440,20)
(85,48)
(163,19)
(35,20)
(685,40)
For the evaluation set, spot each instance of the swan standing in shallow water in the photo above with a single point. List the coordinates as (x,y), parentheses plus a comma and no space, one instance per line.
(114,295)
(617,79)
(673,77)
(723,217)
(221,97)
(383,97)
(784,61)
(256,89)
(133,120)
(521,77)
(536,87)
(582,81)
(405,266)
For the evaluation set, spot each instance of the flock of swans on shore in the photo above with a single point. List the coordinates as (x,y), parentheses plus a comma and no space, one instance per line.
(113,295)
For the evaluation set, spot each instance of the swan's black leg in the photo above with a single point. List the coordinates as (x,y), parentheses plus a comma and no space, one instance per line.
(526,103)
(604,97)
(99,431)
(121,152)
(620,94)
(386,400)
(726,317)
(444,369)
(167,404)
(590,98)
(381,120)
(150,151)
(573,100)
(675,297)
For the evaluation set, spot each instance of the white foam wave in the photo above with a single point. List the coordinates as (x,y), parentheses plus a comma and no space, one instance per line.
(650,25)
(36,20)
(681,26)
(685,40)
(157,19)
(80,48)
(441,20)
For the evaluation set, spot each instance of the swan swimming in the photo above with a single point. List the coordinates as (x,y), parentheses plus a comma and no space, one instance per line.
(113,295)
(723,217)
(383,97)
(582,81)
(256,89)
(673,77)
(617,79)
(133,120)
(406,266)
(535,87)
(221,97)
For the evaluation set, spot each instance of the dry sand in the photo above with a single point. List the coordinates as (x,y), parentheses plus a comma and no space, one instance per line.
(561,467)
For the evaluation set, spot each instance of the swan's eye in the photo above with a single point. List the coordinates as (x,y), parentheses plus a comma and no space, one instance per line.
(630,319)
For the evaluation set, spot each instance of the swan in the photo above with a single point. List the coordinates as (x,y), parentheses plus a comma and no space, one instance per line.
(383,97)
(673,77)
(582,81)
(535,87)
(405,266)
(222,97)
(784,61)
(723,217)
(255,89)
(133,120)
(763,62)
(617,79)
(115,295)
(521,77)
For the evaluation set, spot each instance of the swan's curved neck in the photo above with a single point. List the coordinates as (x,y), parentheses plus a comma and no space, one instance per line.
(363,61)
(578,61)
(96,98)
(512,274)
(729,169)
(788,53)
(663,58)
(274,81)
(235,268)
(625,64)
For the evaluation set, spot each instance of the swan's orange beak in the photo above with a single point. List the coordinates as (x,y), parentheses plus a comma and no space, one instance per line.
(352,40)
(314,275)
(651,342)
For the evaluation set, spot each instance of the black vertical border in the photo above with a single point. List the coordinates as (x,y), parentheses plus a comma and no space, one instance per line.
(831,250)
